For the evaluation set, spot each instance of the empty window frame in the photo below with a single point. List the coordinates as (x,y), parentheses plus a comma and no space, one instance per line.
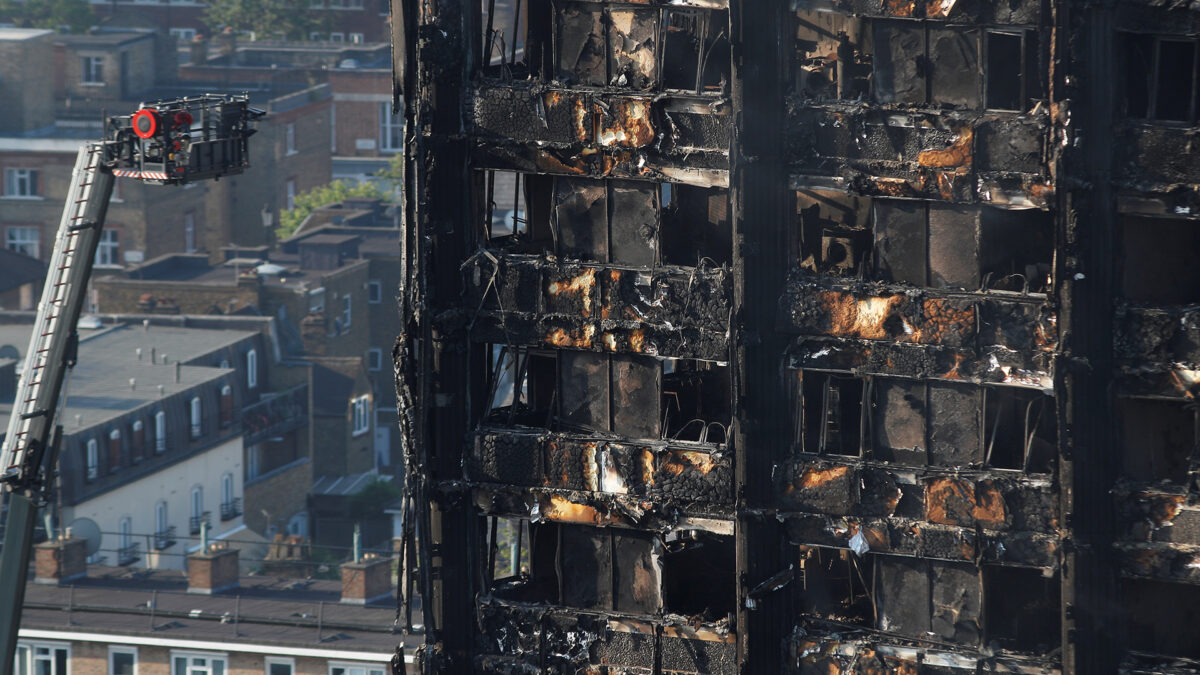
(832,232)
(924,598)
(836,584)
(952,246)
(1021,609)
(698,574)
(827,415)
(642,48)
(926,63)
(832,56)
(696,225)
(516,36)
(1013,73)
(609,393)
(1158,614)
(1155,265)
(514,209)
(1159,76)
(1158,439)
(522,386)
(509,548)
(696,398)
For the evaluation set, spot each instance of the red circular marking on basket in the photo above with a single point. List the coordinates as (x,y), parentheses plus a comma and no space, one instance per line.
(145,123)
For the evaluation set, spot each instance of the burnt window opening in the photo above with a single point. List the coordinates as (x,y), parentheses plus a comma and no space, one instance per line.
(1021,609)
(927,598)
(925,63)
(1156,263)
(509,548)
(1020,429)
(590,568)
(516,37)
(696,401)
(1157,611)
(695,225)
(522,386)
(532,553)
(696,52)
(613,221)
(832,57)
(1160,77)
(616,394)
(515,210)
(951,246)
(642,48)
(698,578)
(1158,438)
(828,417)
(836,584)
(1013,72)
(832,233)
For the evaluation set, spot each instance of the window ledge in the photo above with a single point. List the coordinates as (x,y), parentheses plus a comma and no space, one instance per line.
(28,198)
(93,84)
(360,432)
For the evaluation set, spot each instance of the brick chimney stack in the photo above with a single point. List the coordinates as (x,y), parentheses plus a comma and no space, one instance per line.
(213,571)
(366,581)
(60,561)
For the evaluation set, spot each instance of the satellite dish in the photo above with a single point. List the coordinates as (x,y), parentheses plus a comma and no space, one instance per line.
(86,528)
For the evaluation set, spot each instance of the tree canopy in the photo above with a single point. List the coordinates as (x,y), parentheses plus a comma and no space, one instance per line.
(76,15)
(305,202)
(290,19)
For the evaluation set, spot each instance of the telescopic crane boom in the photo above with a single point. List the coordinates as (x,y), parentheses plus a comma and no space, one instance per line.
(169,142)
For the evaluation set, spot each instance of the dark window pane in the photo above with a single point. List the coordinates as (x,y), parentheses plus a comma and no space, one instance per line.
(1176,62)
(1004,71)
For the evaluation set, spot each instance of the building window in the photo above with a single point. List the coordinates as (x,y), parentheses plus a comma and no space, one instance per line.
(354,4)
(1012,69)
(93,459)
(189,232)
(163,535)
(198,517)
(355,669)
(226,405)
(23,240)
(290,194)
(337,37)
(316,301)
(183,34)
(197,425)
(374,359)
(374,292)
(391,129)
(198,663)
(106,251)
(362,414)
(122,660)
(1164,87)
(20,183)
(315,36)
(252,369)
(346,304)
(91,69)
(114,450)
(357,38)
(127,549)
(278,665)
(160,432)
(337,4)
(316,4)
(289,137)
(43,658)
(137,440)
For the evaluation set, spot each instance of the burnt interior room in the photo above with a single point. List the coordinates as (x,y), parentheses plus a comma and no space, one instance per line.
(826,336)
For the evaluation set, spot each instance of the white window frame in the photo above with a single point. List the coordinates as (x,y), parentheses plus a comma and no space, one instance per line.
(391,127)
(196,408)
(189,232)
(357,38)
(316,300)
(31,655)
(183,34)
(93,459)
(21,183)
(196,505)
(252,369)
(374,292)
(162,517)
(23,239)
(122,649)
(91,70)
(160,432)
(315,36)
(360,414)
(289,138)
(125,531)
(279,661)
(289,191)
(108,249)
(190,669)
(375,359)
(346,668)
(226,488)
(337,37)
(347,310)
(354,4)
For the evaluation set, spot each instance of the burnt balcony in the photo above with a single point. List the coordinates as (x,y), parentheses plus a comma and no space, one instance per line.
(231,509)
(275,414)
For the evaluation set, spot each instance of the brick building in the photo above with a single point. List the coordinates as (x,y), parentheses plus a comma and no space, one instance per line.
(822,336)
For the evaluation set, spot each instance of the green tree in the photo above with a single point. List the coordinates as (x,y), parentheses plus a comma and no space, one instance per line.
(290,19)
(394,173)
(306,202)
(76,15)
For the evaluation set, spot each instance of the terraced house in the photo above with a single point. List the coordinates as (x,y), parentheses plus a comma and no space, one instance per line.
(818,336)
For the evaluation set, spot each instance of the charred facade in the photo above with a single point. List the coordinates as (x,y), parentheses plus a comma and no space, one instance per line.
(803,337)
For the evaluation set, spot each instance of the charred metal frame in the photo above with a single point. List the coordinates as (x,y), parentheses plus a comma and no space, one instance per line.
(860,338)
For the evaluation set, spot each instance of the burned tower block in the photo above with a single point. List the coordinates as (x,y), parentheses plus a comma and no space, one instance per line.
(822,336)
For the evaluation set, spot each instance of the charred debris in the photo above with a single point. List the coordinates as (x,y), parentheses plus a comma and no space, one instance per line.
(822,336)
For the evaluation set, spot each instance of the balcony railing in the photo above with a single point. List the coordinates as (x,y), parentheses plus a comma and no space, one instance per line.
(127,555)
(275,414)
(164,538)
(195,521)
(231,509)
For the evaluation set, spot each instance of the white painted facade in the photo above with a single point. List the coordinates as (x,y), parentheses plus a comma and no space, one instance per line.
(174,485)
